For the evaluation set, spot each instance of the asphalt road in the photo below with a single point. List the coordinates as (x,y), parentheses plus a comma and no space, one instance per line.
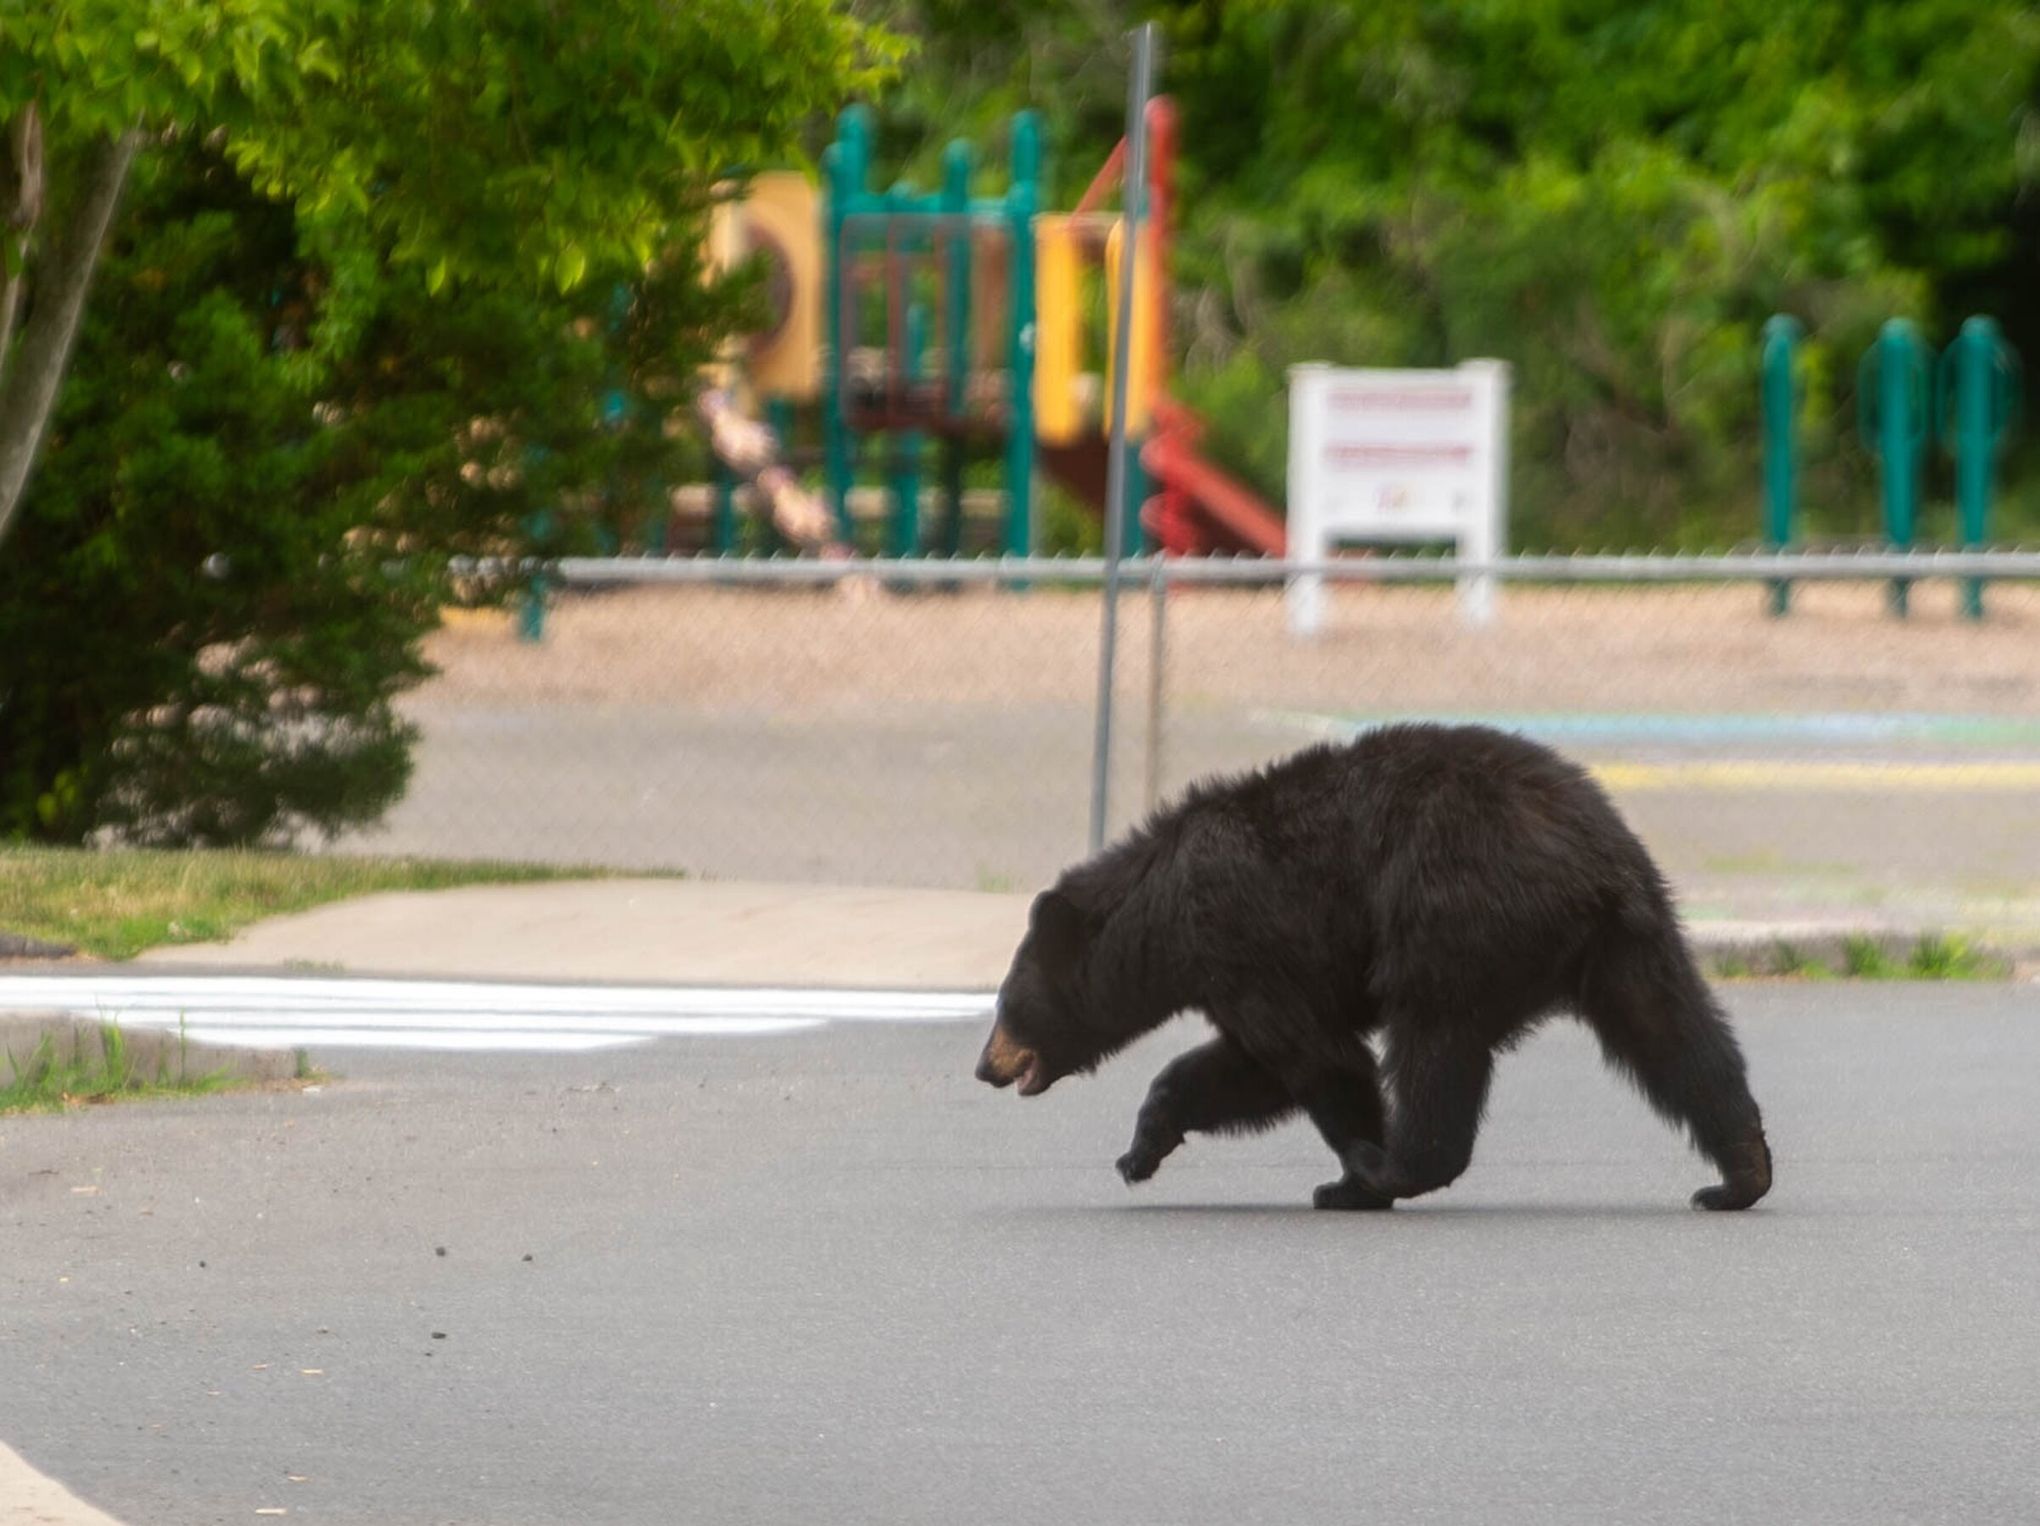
(824,1277)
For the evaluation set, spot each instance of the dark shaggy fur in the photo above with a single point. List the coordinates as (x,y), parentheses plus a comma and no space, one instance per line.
(1438,890)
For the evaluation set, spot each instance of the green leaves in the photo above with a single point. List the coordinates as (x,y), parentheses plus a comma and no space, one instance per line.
(490,139)
(515,140)
(381,265)
(1611,194)
(570,267)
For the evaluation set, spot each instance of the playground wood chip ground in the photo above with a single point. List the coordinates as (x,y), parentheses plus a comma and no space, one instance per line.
(1680,650)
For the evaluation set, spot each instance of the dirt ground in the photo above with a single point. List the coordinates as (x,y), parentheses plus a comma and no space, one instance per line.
(1683,649)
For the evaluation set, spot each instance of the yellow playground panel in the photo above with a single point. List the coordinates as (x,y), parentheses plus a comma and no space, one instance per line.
(779,217)
(1072,393)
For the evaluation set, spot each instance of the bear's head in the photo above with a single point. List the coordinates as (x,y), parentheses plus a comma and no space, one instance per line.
(1044,1028)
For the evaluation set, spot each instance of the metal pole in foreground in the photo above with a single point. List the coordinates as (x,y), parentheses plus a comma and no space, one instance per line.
(1158,676)
(1133,197)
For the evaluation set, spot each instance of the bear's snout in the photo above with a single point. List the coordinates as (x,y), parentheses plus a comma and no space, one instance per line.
(1005,1061)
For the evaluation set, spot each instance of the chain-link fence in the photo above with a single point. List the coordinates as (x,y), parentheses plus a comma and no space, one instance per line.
(932,724)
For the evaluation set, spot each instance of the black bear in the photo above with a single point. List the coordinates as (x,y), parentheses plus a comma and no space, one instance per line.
(1442,888)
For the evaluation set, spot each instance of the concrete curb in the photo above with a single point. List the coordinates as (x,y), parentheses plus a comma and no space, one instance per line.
(153,1052)
(21,946)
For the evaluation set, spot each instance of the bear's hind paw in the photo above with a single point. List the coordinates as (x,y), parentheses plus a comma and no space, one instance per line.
(1727,1197)
(1349,1194)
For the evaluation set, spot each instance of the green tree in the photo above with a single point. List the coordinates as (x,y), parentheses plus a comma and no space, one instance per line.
(1610,194)
(326,358)
(495,141)
(219,580)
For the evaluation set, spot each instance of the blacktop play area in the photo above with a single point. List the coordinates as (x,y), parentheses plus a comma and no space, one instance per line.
(826,1276)
(645,733)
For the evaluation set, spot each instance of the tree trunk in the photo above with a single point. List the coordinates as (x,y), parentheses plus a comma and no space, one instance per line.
(21,194)
(63,274)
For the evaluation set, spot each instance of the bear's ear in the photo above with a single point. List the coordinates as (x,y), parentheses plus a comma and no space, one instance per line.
(1060,928)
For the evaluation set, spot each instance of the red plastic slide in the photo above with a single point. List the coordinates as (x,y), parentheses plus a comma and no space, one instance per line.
(1202,508)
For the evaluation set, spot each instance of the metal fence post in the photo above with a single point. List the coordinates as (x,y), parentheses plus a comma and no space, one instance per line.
(1158,632)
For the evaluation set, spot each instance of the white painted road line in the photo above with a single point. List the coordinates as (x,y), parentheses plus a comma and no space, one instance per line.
(436,1039)
(283,1012)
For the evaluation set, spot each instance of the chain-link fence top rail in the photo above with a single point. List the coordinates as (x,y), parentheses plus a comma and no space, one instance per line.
(931,723)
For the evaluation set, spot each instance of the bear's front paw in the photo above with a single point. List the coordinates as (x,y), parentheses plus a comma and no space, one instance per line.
(1137,1166)
(1351,1195)
(1151,1146)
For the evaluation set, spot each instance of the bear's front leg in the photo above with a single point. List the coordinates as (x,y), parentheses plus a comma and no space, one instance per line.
(1216,1088)
(1155,1138)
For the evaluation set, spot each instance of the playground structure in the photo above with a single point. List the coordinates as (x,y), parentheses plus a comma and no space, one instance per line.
(1969,400)
(906,320)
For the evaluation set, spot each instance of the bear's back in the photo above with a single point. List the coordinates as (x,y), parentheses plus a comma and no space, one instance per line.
(1416,855)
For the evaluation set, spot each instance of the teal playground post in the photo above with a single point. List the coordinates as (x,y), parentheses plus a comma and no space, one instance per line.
(1978,383)
(910,256)
(1022,202)
(956,164)
(1781,443)
(779,418)
(722,529)
(1892,387)
(531,603)
(843,165)
(905,539)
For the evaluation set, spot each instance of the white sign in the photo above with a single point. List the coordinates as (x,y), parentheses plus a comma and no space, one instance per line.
(1398,456)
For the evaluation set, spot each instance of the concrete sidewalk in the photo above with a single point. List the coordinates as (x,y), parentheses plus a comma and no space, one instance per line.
(689,932)
(29,1499)
(654,932)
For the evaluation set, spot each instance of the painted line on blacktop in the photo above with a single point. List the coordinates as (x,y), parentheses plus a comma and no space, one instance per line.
(1834,726)
(1917,776)
(283,1012)
(1880,777)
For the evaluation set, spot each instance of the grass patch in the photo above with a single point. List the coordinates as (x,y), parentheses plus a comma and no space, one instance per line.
(117,902)
(1938,958)
(1790,959)
(1933,957)
(48,1080)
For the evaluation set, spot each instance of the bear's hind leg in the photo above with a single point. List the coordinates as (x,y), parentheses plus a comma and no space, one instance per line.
(1216,1088)
(1658,1022)
(1344,1102)
(1441,1085)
